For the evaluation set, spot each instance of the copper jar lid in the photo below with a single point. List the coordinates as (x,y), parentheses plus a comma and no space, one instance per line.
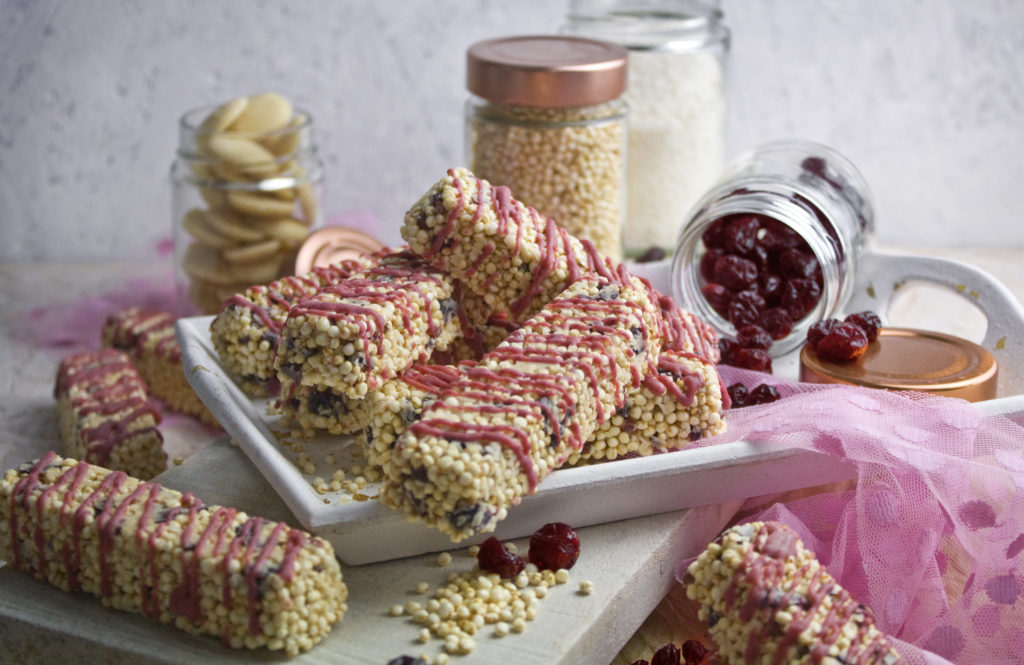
(908,359)
(547,71)
(332,244)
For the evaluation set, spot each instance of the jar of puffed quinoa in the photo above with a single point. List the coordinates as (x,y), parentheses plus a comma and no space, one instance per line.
(776,242)
(677,60)
(546,119)
(246,186)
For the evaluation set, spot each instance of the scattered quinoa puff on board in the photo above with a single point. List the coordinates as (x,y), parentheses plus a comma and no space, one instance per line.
(147,549)
(767,600)
(105,416)
(246,330)
(148,337)
(507,423)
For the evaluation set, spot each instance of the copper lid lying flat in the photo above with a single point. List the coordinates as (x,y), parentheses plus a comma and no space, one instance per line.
(332,244)
(906,359)
(548,71)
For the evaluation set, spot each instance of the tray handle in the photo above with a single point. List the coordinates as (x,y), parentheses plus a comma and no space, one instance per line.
(884,273)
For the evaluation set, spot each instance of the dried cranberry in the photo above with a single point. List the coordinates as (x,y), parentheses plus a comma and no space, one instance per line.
(800,296)
(717,296)
(819,329)
(758,360)
(553,546)
(843,343)
(668,654)
(742,314)
(754,337)
(740,235)
(868,321)
(735,272)
(770,287)
(707,264)
(713,235)
(795,264)
(494,557)
(778,236)
(764,394)
(745,308)
(727,348)
(694,652)
(777,322)
(738,395)
(652,254)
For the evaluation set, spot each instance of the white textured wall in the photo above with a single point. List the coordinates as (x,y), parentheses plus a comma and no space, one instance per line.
(927,97)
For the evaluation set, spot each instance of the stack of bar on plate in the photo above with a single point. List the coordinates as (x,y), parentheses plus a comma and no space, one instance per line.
(492,350)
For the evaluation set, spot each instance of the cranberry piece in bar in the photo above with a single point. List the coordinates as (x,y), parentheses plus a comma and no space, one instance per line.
(494,557)
(651,255)
(553,546)
(868,321)
(843,343)
(754,337)
(735,272)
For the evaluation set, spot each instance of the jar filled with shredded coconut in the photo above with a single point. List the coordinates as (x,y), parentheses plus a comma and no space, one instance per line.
(677,51)
(546,119)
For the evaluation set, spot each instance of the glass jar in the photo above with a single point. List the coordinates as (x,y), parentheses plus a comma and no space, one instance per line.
(246,186)
(677,54)
(545,118)
(777,241)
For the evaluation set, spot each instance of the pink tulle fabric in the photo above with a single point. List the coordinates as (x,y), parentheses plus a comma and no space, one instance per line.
(931,533)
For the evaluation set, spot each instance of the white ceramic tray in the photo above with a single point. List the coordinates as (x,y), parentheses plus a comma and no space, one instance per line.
(365,532)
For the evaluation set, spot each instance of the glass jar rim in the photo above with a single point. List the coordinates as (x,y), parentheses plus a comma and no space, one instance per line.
(191,122)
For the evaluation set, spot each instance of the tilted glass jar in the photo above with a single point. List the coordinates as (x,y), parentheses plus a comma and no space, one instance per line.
(545,118)
(676,96)
(776,241)
(246,186)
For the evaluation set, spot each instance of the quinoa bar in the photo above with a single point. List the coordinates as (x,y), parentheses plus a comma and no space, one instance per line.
(105,416)
(320,408)
(356,334)
(148,337)
(767,599)
(678,403)
(246,330)
(142,548)
(508,253)
(506,423)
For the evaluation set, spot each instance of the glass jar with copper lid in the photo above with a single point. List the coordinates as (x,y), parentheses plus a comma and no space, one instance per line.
(546,119)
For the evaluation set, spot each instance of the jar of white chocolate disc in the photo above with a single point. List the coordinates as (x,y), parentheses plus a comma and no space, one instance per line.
(776,242)
(546,119)
(677,53)
(246,187)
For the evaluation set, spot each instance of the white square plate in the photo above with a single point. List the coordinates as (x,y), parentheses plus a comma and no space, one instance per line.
(366,532)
